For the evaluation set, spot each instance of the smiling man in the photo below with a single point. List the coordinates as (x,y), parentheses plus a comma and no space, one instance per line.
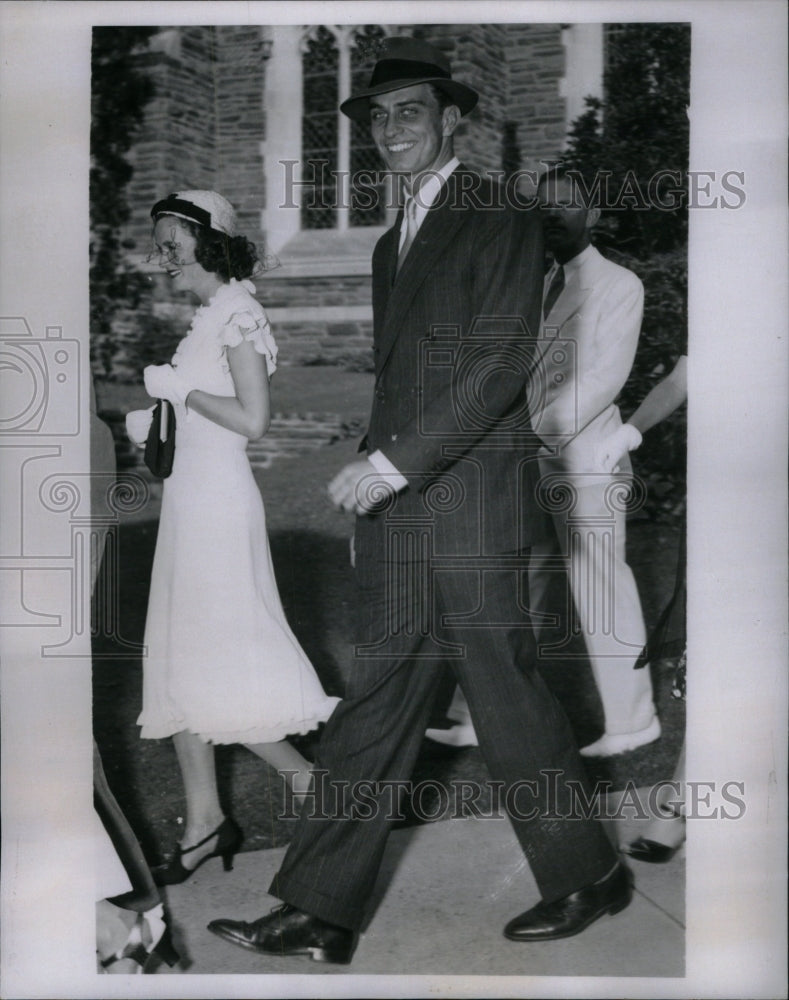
(445,518)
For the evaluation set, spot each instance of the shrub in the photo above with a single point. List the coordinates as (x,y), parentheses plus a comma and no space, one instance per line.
(637,132)
(120,92)
(660,460)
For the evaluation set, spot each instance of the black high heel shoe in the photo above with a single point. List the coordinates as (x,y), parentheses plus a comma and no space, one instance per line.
(229,839)
(655,851)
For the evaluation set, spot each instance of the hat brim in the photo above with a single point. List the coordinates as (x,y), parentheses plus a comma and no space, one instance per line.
(357,107)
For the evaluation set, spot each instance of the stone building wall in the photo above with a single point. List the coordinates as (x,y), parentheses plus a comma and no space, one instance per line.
(204,125)
(176,145)
(207,122)
(536,64)
(476,53)
(324,319)
(241,122)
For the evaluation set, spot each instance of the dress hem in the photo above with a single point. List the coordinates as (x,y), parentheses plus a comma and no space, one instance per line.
(263,734)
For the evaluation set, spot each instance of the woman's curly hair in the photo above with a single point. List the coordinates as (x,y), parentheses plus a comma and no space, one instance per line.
(227,256)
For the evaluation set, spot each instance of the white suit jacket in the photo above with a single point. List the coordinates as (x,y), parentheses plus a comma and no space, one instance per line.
(587,346)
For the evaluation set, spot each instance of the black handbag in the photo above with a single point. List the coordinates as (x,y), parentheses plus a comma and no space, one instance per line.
(160,443)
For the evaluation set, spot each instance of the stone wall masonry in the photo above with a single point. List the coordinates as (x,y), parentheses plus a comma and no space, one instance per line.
(205,126)
(307,291)
(536,62)
(347,345)
(477,55)
(176,148)
(290,435)
(517,69)
(241,123)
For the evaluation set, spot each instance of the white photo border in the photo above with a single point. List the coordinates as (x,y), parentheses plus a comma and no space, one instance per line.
(737,448)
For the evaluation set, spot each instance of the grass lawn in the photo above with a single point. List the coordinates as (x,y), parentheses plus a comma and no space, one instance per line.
(309,540)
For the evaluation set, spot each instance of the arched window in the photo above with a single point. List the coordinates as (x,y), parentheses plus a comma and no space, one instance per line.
(339,157)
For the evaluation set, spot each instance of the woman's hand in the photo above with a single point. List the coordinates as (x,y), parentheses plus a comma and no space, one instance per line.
(163,382)
(609,452)
(138,423)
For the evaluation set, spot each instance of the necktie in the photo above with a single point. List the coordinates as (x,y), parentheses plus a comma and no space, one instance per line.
(409,218)
(554,291)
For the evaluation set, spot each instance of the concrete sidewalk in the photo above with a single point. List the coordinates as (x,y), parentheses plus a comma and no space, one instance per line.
(445,892)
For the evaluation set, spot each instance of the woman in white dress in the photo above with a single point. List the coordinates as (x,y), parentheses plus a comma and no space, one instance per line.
(222,664)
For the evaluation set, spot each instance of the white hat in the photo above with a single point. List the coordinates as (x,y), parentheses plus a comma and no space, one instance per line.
(207,208)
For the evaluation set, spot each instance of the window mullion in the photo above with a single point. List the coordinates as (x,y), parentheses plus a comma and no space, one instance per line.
(344,136)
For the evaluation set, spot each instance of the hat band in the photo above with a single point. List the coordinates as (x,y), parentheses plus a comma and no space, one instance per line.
(389,70)
(177,206)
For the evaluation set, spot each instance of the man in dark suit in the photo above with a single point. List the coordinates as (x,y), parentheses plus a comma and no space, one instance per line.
(445,512)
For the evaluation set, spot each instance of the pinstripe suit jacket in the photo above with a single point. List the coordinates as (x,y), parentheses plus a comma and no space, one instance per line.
(454,337)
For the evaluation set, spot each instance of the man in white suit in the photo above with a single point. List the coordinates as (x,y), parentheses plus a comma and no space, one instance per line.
(592,310)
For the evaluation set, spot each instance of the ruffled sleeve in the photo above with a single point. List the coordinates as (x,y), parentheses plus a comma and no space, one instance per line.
(246,320)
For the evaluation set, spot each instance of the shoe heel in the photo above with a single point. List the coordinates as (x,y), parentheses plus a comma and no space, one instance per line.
(230,838)
(617,907)
(328,955)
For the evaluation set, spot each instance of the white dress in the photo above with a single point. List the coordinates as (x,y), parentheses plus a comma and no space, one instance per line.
(221,660)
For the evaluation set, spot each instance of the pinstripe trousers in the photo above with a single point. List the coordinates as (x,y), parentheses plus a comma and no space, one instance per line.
(405,637)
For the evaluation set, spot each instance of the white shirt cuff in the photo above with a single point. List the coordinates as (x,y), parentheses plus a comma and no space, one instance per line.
(381,464)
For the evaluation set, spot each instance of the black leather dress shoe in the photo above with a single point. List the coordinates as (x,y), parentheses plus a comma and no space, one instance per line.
(289,931)
(573,913)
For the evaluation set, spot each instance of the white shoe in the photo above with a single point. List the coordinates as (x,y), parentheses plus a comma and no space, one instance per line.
(611,744)
(461,734)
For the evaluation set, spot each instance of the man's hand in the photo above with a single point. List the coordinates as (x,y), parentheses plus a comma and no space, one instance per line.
(609,452)
(359,488)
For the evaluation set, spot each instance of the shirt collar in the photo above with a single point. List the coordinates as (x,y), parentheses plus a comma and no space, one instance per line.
(429,191)
(574,264)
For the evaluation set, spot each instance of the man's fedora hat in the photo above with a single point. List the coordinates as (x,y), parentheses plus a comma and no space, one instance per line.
(406,62)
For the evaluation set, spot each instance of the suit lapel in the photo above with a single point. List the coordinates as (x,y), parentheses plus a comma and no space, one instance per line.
(383,275)
(436,232)
(574,294)
(567,305)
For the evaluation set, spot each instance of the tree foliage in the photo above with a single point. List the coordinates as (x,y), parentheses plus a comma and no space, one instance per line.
(120,91)
(635,143)
(637,139)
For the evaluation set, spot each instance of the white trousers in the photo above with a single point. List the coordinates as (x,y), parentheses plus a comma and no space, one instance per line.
(589,518)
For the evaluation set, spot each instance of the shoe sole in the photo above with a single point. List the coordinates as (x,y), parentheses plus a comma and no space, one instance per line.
(316,953)
(654,857)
